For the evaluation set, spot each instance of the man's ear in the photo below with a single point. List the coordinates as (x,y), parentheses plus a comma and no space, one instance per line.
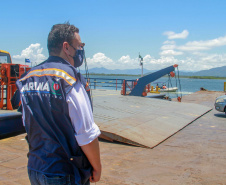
(66,47)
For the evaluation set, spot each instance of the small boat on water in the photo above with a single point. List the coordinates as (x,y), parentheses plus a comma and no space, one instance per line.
(170,89)
(164,88)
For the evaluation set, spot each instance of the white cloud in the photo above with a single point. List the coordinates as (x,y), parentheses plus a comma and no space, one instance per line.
(147,58)
(194,60)
(100,60)
(126,61)
(192,63)
(171,52)
(168,47)
(205,62)
(197,53)
(173,35)
(188,56)
(189,63)
(33,52)
(203,45)
(214,60)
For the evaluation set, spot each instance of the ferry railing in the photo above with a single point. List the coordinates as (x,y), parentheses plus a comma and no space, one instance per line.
(126,86)
(105,83)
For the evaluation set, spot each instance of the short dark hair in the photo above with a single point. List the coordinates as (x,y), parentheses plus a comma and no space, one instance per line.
(59,34)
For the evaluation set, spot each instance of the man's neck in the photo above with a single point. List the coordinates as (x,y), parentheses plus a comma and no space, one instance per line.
(61,55)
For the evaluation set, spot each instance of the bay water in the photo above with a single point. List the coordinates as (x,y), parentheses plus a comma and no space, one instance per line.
(188,85)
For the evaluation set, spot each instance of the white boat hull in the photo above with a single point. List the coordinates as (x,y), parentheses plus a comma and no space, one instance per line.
(171,89)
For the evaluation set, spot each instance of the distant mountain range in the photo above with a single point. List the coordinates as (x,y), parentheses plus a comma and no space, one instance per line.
(218,72)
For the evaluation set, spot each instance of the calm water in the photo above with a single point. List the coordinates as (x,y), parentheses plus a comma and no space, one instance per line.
(188,85)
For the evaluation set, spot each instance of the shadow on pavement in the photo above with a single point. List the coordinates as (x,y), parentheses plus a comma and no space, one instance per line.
(115,142)
(220,115)
(5,136)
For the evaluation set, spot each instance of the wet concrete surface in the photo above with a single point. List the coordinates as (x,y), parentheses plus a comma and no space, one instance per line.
(195,155)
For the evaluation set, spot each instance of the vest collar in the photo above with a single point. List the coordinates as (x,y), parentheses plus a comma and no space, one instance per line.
(57,59)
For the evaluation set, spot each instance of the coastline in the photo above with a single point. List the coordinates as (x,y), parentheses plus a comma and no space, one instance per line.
(192,77)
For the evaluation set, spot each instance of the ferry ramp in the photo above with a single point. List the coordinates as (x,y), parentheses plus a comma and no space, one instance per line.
(141,121)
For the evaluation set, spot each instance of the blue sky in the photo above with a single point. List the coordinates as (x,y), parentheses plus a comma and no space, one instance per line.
(191,33)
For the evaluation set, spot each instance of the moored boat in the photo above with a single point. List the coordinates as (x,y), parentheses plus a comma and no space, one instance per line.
(170,89)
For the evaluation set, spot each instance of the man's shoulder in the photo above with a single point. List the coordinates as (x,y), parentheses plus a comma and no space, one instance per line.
(55,62)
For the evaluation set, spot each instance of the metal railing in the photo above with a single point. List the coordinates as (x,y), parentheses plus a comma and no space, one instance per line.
(105,83)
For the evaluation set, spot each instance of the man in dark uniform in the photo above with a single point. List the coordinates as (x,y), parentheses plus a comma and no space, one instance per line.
(57,115)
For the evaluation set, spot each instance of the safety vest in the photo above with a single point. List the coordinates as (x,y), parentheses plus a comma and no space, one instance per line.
(53,149)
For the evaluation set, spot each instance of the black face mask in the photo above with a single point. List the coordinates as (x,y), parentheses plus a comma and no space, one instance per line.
(78,58)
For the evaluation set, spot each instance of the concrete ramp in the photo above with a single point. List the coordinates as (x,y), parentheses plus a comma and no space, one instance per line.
(141,121)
